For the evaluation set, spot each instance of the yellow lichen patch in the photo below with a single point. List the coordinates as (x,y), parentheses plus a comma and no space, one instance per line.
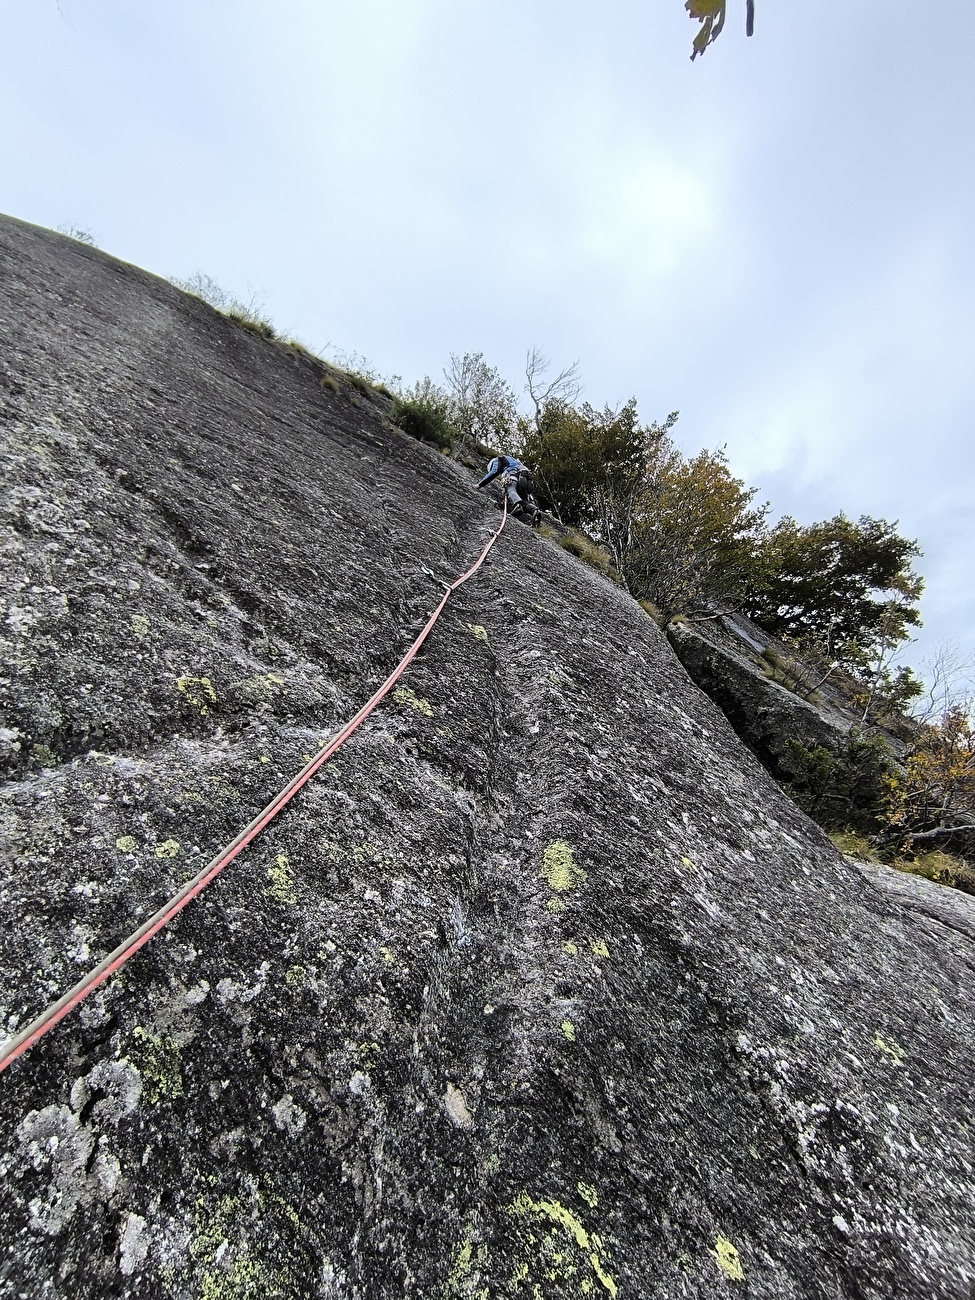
(599,947)
(569,1030)
(728,1259)
(887,1047)
(282,885)
(478,632)
(224,1262)
(570,948)
(140,624)
(688,865)
(553,1261)
(273,679)
(295,977)
(410,700)
(168,849)
(126,843)
(560,869)
(197,691)
(461,1268)
(366,1055)
(555,904)
(159,1062)
(588,1194)
(387,954)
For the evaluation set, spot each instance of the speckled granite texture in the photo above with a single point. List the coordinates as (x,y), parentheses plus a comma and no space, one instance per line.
(542,989)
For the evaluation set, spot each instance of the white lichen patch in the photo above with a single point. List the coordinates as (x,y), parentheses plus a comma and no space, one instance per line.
(133,1244)
(56,1142)
(455,1104)
(288,1116)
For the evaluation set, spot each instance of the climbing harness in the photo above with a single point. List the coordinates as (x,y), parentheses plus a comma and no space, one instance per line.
(48,1018)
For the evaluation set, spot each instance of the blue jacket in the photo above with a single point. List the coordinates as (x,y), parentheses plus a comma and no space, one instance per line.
(502,465)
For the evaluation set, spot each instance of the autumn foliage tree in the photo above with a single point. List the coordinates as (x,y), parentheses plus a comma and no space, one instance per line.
(931,796)
(682,532)
(711,16)
(591,466)
(694,533)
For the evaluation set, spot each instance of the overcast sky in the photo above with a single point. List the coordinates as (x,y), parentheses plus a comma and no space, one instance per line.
(777,239)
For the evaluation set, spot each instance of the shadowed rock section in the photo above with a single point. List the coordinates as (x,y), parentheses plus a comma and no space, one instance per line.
(542,989)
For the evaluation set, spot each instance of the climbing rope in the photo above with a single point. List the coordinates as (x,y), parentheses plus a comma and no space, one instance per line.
(48,1018)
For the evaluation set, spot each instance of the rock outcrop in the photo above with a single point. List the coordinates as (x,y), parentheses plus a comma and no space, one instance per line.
(723,659)
(542,989)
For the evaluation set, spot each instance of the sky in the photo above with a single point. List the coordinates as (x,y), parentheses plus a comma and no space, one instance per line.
(774,239)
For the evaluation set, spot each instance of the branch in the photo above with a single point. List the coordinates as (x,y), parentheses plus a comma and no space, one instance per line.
(940,830)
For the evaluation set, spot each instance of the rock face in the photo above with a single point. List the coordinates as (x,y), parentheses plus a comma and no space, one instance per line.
(723,661)
(542,989)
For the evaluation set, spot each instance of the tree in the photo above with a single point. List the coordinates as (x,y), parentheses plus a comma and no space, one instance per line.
(591,466)
(839,585)
(711,15)
(932,796)
(561,391)
(483,407)
(695,533)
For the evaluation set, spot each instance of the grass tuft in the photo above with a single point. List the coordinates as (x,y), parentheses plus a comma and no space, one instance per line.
(943,868)
(655,612)
(582,547)
(854,846)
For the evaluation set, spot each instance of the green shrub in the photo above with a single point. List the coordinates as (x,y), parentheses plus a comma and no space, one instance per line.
(424,420)
(582,547)
(842,790)
(295,348)
(359,382)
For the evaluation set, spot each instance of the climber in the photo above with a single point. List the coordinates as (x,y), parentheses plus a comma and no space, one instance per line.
(519,487)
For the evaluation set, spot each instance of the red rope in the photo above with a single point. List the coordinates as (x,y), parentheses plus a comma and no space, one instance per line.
(48,1018)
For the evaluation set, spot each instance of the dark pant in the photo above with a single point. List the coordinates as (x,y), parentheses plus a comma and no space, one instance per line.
(519,489)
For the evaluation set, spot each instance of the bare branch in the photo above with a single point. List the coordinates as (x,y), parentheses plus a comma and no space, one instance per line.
(565,387)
